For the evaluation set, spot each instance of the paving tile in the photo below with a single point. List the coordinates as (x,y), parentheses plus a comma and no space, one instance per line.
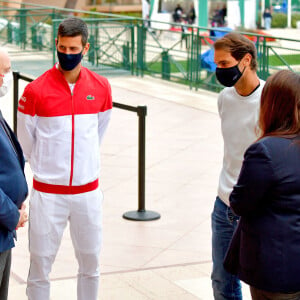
(153,285)
(180,272)
(166,259)
(199,288)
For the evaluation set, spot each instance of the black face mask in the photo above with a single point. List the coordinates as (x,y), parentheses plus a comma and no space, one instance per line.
(69,61)
(229,76)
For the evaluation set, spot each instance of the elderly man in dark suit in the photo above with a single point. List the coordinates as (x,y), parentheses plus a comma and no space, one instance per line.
(13,186)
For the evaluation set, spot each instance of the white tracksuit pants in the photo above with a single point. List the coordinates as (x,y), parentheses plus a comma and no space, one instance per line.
(49,214)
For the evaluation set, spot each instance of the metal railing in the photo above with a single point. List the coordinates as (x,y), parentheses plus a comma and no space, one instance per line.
(111,44)
(141,214)
(175,53)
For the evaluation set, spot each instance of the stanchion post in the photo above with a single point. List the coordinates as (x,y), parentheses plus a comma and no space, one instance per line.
(142,112)
(142,214)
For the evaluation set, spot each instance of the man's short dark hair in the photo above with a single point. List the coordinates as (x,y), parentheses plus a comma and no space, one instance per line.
(238,46)
(71,27)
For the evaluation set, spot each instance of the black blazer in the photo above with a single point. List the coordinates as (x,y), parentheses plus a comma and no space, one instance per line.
(13,185)
(267,196)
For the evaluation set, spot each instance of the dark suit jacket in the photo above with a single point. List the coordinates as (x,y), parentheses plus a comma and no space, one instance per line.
(13,185)
(267,196)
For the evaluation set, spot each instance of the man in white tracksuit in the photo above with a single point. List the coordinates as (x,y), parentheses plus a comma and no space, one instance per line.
(62,116)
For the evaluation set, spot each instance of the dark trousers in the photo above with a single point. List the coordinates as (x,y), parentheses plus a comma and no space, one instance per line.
(264,295)
(5,262)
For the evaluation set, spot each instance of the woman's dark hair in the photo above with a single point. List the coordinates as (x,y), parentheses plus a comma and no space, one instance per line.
(71,27)
(238,46)
(280,105)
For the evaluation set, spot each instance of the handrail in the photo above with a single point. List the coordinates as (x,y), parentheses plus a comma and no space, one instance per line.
(67,10)
(141,214)
(141,50)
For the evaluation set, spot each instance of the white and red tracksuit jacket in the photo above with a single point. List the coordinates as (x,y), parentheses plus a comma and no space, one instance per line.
(60,132)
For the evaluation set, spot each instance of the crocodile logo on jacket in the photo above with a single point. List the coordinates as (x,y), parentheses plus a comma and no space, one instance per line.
(90,97)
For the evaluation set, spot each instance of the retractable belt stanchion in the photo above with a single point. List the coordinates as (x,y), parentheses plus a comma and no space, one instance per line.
(141,214)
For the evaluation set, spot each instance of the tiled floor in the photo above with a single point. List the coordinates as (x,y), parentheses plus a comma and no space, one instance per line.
(169,258)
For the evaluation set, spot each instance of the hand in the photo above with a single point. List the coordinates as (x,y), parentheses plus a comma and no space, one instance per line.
(23,216)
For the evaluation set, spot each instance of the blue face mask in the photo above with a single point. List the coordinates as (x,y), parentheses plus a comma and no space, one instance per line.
(69,61)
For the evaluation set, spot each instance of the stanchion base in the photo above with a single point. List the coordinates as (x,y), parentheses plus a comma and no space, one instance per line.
(146,215)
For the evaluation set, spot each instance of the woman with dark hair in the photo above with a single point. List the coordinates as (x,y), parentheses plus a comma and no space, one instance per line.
(266,245)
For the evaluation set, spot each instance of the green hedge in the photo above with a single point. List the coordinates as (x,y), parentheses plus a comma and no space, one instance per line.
(279,20)
(295,18)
